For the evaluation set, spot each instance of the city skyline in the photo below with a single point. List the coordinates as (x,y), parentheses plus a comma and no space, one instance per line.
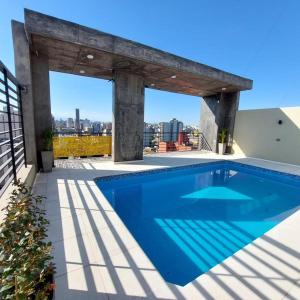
(168,129)
(68,117)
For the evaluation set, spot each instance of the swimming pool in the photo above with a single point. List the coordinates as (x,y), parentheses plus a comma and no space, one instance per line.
(188,219)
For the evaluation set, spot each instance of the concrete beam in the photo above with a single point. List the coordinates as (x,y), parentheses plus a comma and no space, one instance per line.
(23,75)
(128,116)
(67,45)
(41,96)
(217,112)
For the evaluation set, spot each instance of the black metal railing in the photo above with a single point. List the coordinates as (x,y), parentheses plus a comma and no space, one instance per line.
(175,141)
(12,144)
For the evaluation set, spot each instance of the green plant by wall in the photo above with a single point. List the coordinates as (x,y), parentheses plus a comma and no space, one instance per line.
(223,135)
(26,270)
(47,140)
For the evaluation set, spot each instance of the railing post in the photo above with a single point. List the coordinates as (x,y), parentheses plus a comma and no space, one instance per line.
(199,141)
(10,125)
(22,123)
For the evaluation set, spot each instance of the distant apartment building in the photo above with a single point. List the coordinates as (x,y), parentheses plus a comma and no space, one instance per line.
(165,131)
(169,131)
(70,123)
(77,120)
(176,128)
(174,131)
(148,135)
(96,128)
(107,125)
(4,126)
(53,123)
(106,132)
(60,125)
(86,125)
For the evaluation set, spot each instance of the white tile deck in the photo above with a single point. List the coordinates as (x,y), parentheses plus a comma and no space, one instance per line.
(97,258)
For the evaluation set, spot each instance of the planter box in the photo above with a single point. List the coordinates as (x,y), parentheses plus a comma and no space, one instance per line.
(47,160)
(221,148)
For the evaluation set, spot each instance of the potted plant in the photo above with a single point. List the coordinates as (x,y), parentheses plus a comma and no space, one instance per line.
(47,153)
(26,270)
(222,138)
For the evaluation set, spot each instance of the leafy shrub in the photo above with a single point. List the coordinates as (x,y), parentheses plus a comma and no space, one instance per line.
(47,140)
(26,270)
(222,135)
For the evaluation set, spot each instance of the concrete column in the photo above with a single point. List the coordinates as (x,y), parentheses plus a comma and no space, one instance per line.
(229,106)
(41,97)
(217,112)
(23,74)
(128,116)
(209,120)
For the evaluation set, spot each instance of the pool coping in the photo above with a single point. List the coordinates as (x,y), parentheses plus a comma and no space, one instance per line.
(197,165)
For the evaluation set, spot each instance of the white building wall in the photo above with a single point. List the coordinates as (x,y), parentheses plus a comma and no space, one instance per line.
(258,134)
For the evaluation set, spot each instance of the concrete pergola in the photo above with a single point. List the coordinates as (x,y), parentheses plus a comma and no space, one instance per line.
(44,43)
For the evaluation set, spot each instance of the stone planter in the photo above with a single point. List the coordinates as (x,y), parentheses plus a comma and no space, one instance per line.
(221,148)
(47,160)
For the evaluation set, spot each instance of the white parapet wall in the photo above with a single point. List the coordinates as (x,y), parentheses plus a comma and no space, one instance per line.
(272,134)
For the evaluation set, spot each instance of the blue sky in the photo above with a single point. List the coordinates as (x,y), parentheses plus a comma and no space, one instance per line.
(256,39)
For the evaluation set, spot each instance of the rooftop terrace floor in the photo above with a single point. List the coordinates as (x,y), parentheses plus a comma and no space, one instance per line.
(97,258)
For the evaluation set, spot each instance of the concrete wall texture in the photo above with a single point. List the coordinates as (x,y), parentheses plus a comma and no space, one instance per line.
(41,99)
(23,74)
(257,133)
(128,116)
(32,71)
(217,112)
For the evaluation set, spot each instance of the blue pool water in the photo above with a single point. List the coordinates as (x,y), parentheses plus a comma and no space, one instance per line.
(189,219)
